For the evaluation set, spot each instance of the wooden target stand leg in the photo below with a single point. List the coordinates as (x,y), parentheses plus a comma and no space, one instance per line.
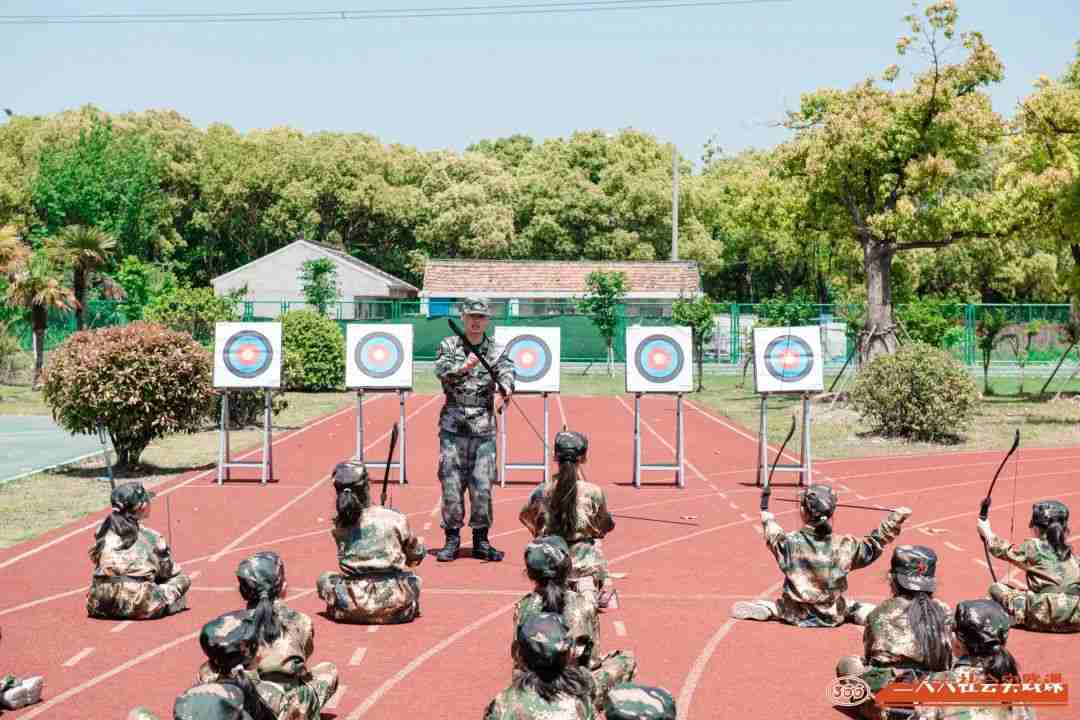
(401,465)
(804,465)
(639,467)
(504,464)
(225,461)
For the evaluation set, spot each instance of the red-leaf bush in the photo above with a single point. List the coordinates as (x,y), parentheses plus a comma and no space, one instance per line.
(140,381)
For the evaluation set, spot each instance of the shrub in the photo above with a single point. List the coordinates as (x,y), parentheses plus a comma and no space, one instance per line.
(320,346)
(246,406)
(12,358)
(141,381)
(918,392)
(192,310)
(933,322)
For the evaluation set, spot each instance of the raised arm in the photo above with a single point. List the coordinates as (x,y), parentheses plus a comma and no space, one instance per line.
(412,545)
(532,513)
(775,537)
(1019,555)
(870,547)
(449,363)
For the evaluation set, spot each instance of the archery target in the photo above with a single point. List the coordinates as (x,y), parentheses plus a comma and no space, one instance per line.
(247,355)
(658,359)
(788,360)
(379,356)
(535,354)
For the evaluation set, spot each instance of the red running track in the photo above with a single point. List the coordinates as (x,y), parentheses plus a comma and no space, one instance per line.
(687,554)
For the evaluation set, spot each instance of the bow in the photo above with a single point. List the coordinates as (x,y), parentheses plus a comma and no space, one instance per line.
(766,490)
(389,458)
(479,356)
(984,507)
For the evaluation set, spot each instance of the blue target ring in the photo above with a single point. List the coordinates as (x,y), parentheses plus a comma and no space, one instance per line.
(789,358)
(379,355)
(248,354)
(531,357)
(659,358)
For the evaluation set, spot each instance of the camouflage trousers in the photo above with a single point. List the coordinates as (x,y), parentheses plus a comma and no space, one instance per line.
(376,599)
(618,666)
(801,615)
(299,698)
(1051,612)
(466,462)
(876,678)
(131,599)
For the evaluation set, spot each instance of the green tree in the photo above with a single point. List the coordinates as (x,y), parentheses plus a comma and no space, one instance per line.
(193,310)
(85,250)
(142,283)
(35,286)
(318,282)
(988,331)
(698,315)
(606,291)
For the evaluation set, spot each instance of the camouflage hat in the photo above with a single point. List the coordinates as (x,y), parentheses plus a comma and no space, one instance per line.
(639,702)
(207,702)
(350,474)
(546,556)
(130,496)
(229,640)
(262,571)
(981,624)
(475,306)
(544,642)
(819,501)
(914,566)
(570,445)
(1045,512)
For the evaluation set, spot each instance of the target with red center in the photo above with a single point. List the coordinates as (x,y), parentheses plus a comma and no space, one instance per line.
(378,356)
(247,355)
(788,360)
(535,354)
(657,359)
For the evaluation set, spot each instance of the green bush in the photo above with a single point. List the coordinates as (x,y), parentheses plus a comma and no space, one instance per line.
(193,310)
(318,343)
(933,322)
(12,358)
(246,406)
(140,381)
(918,392)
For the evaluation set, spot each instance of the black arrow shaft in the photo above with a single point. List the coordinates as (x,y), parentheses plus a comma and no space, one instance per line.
(843,505)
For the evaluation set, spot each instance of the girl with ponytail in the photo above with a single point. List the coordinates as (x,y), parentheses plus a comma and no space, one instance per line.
(547,564)
(981,628)
(576,511)
(1051,600)
(908,636)
(285,640)
(134,575)
(375,550)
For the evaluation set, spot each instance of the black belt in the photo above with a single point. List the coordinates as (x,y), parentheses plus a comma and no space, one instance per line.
(121,579)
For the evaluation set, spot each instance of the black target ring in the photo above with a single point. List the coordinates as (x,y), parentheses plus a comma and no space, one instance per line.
(662,343)
(789,358)
(539,349)
(248,354)
(372,343)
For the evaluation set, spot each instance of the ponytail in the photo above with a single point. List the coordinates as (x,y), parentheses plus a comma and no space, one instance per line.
(1001,664)
(821,526)
(929,626)
(260,592)
(350,506)
(570,680)
(561,506)
(122,522)
(1056,533)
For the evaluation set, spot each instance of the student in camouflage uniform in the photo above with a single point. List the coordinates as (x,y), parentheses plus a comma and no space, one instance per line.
(229,691)
(375,548)
(816,564)
(547,563)
(576,511)
(134,576)
(467,430)
(286,641)
(1051,601)
(981,628)
(639,702)
(552,686)
(908,636)
(16,693)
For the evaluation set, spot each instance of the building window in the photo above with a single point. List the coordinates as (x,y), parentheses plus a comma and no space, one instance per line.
(371,308)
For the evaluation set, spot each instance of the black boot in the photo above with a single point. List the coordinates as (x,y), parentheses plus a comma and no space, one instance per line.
(449,551)
(481,548)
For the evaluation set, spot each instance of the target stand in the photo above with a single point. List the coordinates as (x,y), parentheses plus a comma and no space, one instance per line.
(804,465)
(677,466)
(504,453)
(401,464)
(225,461)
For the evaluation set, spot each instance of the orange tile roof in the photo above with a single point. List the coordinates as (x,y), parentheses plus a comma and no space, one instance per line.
(457,278)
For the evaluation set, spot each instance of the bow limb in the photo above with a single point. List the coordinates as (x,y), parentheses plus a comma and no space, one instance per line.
(984,507)
(389,460)
(766,490)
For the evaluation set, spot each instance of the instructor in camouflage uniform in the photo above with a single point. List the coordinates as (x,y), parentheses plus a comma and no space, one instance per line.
(467,430)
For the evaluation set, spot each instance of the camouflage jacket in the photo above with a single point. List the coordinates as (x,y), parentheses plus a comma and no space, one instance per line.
(470,396)
(887,637)
(218,700)
(381,541)
(593,519)
(285,656)
(581,618)
(966,670)
(1045,573)
(148,557)
(815,571)
(514,704)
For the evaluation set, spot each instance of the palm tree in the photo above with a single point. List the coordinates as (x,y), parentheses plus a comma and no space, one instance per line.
(35,286)
(84,249)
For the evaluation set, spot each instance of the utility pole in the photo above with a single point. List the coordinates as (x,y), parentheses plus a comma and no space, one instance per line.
(674,202)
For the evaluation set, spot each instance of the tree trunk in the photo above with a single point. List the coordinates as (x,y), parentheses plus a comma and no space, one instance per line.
(700,366)
(610,358)
(38,322)
(78,287)
(879,333)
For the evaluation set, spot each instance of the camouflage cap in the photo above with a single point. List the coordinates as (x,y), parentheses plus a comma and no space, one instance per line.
(544,642)
(130,496)
(263,571)
(570,445)
(914,566)
(819,501)
(546,556)
(229,640)
(475,306)
(210,702)
(350,474)
(981,624)
(1045,512)
(639,702)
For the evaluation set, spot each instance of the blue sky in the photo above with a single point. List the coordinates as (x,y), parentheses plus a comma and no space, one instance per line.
(681,74)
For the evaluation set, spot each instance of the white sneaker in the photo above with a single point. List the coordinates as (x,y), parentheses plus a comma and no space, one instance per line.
(15,698)
(749,611)
(33,687)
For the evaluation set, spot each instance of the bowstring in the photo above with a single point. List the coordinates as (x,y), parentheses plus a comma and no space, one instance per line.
(1012,517)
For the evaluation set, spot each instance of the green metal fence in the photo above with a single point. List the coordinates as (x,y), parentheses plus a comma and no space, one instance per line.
(581,342)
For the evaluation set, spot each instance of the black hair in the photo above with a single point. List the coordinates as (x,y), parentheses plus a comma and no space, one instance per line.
(549,684)
(929,625)
(552,587)
(351,505)
(1056,534)
(260,597)
(561,507)
(122,522)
